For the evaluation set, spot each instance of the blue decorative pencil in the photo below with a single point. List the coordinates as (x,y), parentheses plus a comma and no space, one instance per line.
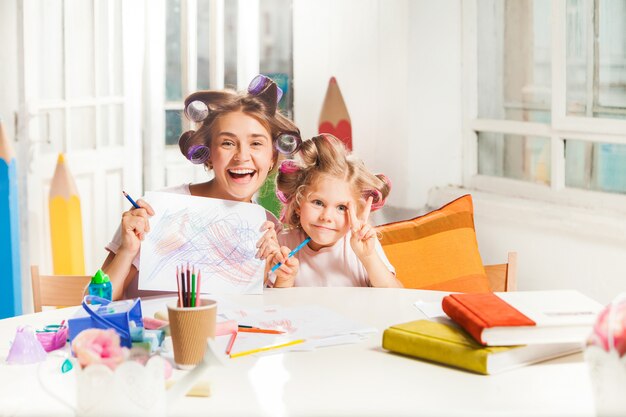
(10,276)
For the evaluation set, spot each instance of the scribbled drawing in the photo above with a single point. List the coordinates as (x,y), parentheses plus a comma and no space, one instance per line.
(284,325)
(221,246)
(215,238)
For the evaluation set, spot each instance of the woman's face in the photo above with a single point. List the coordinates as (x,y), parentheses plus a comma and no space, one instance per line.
(241,155)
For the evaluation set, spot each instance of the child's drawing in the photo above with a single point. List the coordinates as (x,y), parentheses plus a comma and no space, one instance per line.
(217,237)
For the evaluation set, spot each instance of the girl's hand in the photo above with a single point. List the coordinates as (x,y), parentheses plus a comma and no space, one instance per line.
(286,274)
(135,225)
(363,235)
(268,244)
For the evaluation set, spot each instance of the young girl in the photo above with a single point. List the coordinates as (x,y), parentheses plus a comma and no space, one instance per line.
(239,137)
(327,196)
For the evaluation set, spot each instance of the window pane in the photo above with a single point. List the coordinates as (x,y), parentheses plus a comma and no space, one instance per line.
(50,18)
(230,44)
(518,157)
(83,128)
(52,130)
(595,166)
(204,45)
(276,47)
(80,49)
(514,62)
(116,52)
(173,65)
(173,126)
(596,71)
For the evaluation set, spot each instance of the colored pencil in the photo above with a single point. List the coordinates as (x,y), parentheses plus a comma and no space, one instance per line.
(184,288)
(66,226)
(266,348)
(334,117)
(198,284)
(231,342)
(293,252)
(180,292)
(255,330)
(133,202)
(193,288)
(188,287)
(243,326)
(10,269)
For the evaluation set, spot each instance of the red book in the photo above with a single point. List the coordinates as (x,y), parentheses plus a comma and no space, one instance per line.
(523,317)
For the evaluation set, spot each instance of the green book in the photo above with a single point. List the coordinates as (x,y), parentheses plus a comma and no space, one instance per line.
(449,345)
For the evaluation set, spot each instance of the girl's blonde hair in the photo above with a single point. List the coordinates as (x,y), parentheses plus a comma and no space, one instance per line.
(325,155)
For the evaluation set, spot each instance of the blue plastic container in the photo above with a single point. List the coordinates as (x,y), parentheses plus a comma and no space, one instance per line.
(100,286)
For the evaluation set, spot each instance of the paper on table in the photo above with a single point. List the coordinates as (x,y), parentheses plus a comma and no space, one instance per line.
(430,310)
(216,236)
(317,325)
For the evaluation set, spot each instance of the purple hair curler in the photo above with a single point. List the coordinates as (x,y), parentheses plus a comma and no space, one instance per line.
(288,166)
(260,83)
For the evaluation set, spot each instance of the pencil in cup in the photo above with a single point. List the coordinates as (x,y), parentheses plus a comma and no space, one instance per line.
(293,252)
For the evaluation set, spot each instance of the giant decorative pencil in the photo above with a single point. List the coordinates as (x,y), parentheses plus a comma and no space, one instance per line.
(66,225)
(334,118)
(10,277)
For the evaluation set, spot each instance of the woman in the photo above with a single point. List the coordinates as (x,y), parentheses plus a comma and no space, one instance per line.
(237,139)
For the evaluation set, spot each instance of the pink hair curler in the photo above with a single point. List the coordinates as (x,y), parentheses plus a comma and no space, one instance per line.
(288,166)
(281,197)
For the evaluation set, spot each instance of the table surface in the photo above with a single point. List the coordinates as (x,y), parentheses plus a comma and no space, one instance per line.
(357,379)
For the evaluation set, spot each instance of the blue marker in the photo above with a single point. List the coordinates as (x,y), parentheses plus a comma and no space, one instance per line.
(293,252)
(131,200)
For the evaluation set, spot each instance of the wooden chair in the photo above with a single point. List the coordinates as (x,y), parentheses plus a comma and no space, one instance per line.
(57,290)
(503,277)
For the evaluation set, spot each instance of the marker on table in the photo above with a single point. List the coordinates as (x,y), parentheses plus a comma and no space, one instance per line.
(293,252)
(131,200)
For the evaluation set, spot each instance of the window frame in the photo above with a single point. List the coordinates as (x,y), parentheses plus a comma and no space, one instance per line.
(561,127)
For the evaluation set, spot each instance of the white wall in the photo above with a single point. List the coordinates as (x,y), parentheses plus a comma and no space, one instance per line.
(398,64)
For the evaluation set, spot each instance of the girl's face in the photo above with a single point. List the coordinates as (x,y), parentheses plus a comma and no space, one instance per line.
(241,155)
(324,211)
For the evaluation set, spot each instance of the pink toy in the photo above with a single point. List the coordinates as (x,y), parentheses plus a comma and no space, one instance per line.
(25,348)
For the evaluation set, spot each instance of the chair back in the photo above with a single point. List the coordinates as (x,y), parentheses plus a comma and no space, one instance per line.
(503,277)
(57,290)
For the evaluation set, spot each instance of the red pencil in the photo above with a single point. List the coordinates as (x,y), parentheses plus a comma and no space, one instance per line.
(199,279)
(231,343)
(180,293)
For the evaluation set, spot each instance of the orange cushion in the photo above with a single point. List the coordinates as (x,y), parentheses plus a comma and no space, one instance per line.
(437,251)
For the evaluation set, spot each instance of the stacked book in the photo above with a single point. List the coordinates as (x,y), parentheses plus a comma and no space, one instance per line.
(494,332)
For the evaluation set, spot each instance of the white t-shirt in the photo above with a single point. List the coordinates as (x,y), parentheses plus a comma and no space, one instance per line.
(132,291)
(335,266)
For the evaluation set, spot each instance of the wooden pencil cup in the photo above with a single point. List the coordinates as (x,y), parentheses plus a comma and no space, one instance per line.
(190,328)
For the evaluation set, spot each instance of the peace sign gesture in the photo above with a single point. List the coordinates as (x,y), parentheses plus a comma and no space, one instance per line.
(362,239)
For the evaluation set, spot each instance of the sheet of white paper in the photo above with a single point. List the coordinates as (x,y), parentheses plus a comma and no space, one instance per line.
(317,325)
(430,310)
(217,237)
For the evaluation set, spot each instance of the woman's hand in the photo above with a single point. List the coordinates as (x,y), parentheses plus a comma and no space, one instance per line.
(363,235)
(287,272)
(135,225)
(268,244)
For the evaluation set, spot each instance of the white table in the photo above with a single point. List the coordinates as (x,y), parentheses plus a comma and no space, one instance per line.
(360,379)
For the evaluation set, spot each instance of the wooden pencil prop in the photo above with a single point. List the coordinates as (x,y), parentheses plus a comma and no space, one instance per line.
(10,277)
(334,118)
(66,225)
